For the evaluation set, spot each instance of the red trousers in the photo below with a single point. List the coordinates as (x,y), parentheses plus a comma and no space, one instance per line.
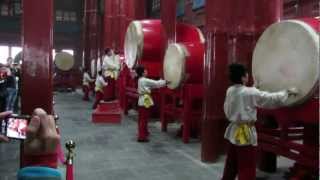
(144,114)
(99,97)
(110,90)
(86,90)
(241,161)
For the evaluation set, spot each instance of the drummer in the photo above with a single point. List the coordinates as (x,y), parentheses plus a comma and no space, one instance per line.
(99,85)
(240,108)
(145,101)
(111,67)
(86,84)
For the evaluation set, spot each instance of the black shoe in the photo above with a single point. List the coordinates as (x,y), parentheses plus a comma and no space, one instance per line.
(143,140)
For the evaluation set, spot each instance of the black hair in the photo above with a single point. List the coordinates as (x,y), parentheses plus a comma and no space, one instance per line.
(85,70)
(107,50)
(236,72)
(139,70)
(100,73)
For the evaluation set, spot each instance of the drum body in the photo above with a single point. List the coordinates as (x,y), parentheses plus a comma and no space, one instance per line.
(286,56)
(145,44)
(183,64)
(64,61)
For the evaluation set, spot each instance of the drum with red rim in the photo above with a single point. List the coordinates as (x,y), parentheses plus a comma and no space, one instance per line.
(183,63)
(144,43)
(286,56)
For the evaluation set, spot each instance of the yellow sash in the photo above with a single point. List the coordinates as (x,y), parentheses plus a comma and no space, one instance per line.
(111,73)
(147,100)
(98,88)
(242,133)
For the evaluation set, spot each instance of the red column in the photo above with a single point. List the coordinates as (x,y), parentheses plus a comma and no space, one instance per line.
(267,12)
(168,18)
(37,38)
(215,78)
(86,45)
(308,8)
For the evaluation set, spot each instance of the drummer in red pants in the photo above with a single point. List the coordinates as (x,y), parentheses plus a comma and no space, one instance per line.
(86,84)
(100,84)
(111,67)
(145,101)
(240,107)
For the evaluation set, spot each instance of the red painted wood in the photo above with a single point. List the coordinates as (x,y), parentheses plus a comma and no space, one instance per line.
(188,33)
(194,63)
(37,58)
(168,18)
(267,12)
(218,15)
(215,71)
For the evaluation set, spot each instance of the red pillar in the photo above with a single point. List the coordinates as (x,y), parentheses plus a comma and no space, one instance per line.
(85,36)
(215,79)
(168,18)
(37,38)
(267,12)
(308,8)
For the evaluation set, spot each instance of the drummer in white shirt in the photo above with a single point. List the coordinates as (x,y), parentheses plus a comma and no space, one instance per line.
(240,108)
(86,84)
(145,101)
(99,85)
(111,67)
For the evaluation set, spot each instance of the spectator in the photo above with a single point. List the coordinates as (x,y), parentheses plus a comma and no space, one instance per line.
(3,88)
(11,90)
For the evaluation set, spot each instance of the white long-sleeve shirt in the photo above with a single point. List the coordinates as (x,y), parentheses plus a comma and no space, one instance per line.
(111,64)
(100,83)
(144,87)
(86,79)
(241,105)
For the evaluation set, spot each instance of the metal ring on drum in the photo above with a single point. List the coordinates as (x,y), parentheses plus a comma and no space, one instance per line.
(64,61)
(287,55)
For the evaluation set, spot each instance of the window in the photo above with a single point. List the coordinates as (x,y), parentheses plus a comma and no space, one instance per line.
(53,54)
(4,54)
(70,51)
(155,5)
(66,16)
(59,15)
(73,16)
(17,8)
(4,10)
(15,51)
(198,4)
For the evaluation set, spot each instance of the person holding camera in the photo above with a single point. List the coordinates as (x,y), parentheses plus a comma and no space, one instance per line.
(39,156)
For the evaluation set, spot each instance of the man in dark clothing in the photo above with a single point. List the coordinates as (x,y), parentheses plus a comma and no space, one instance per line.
(11,90)
(3,88)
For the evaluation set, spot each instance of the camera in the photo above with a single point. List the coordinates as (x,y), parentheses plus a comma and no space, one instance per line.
(15,126)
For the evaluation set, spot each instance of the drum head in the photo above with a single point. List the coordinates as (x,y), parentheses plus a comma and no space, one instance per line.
(133,45)
(286,56)
(174,65)
(64,61)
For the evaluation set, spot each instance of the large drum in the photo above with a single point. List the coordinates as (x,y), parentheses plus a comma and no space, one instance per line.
(188,33)
(144,42)
(64,61)
(183,63)
(287,55)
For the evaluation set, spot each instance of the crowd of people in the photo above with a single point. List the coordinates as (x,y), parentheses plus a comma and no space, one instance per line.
(9,86)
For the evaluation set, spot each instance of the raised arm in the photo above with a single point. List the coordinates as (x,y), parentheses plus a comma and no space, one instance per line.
(265,99)
(154,84)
